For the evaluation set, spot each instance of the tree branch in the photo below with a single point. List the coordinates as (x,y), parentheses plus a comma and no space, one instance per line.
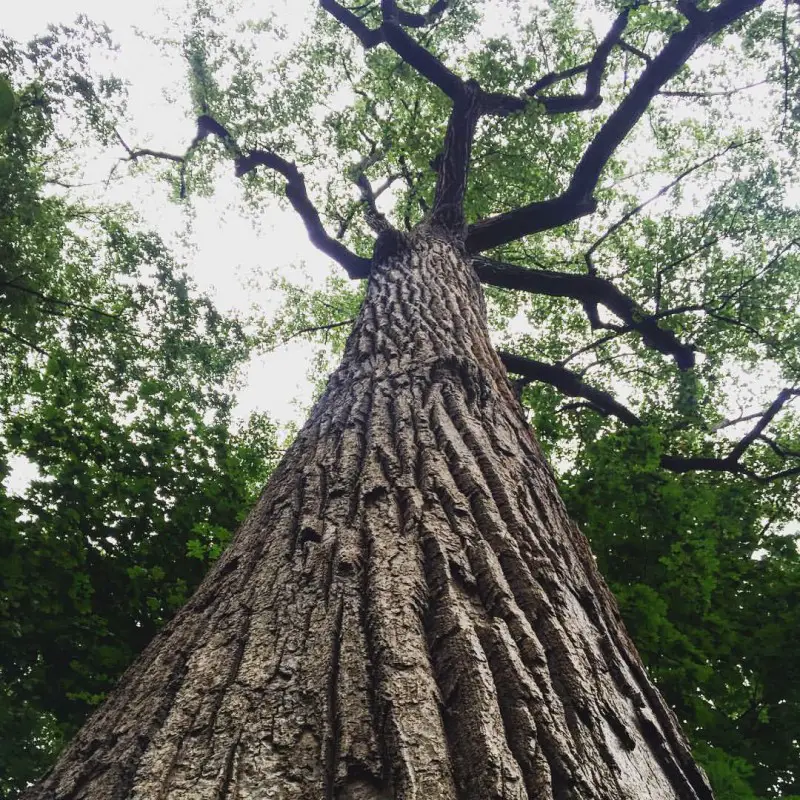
(246,161)
(762,423)
(594,69)
(692,93)
(588,289)
(453,164)
(571,383)
(57,301)
(23,340)
(576,200)
(370,37)
(411,20)
(663,190)
(568,382)
(661,69)
(422,60)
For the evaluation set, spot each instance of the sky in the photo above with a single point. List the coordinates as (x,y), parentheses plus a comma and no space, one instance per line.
(228,251)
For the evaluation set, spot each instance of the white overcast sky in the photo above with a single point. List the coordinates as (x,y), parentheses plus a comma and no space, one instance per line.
(227,251)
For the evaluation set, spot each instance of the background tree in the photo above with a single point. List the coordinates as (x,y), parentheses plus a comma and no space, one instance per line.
(139,479)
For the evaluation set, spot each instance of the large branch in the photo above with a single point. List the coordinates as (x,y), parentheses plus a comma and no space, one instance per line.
(568,382)
(572,384)
(589,289)
(453,163)
(576,200)
(370,37)
(422,60)
(594,69)
(661,69)
(247,160)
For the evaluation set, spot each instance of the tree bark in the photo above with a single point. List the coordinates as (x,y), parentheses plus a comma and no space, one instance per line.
(408,612)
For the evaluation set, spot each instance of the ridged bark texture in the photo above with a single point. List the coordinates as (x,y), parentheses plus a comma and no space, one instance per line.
(408,612)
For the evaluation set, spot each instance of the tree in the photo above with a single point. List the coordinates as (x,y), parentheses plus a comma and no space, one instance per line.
(409,611)
(138,482)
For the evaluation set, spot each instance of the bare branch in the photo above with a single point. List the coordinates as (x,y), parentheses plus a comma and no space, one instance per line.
(779,449)
(634,51)
(330,326)
(732,462)
(576,200)
(134,155)
(568,382)
(663,68)
(572,384)
(590,290)
(313,329)
(410,20)
(533,218)
(762,423)
(369,37)
(589,347)
(554,77)
(375,219)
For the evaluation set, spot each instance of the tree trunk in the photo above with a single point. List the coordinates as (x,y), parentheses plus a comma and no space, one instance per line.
(408,612)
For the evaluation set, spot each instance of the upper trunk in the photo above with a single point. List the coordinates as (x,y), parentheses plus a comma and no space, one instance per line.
(408,612)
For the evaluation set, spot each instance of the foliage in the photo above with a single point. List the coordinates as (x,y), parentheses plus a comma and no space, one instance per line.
(115,400)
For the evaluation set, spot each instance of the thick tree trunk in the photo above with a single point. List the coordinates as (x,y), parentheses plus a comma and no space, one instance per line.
(407,613)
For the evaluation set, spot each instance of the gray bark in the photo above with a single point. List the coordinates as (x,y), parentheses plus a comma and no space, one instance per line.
(408,612)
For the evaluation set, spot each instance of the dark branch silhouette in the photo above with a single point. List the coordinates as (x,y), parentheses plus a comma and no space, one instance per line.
(568,382)
(246,161)
(594,69)
(590,290)
(453,163)
(576,200)
(571,383)
(370,37)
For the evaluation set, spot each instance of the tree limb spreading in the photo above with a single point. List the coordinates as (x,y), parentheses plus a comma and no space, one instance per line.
(594,69)
(453,163)
(568,382)
(371,37)
(590,290)
(576,200)
(571,383)
(246,161)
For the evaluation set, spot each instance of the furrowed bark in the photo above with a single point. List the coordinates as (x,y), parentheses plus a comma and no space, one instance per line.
(408,612)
